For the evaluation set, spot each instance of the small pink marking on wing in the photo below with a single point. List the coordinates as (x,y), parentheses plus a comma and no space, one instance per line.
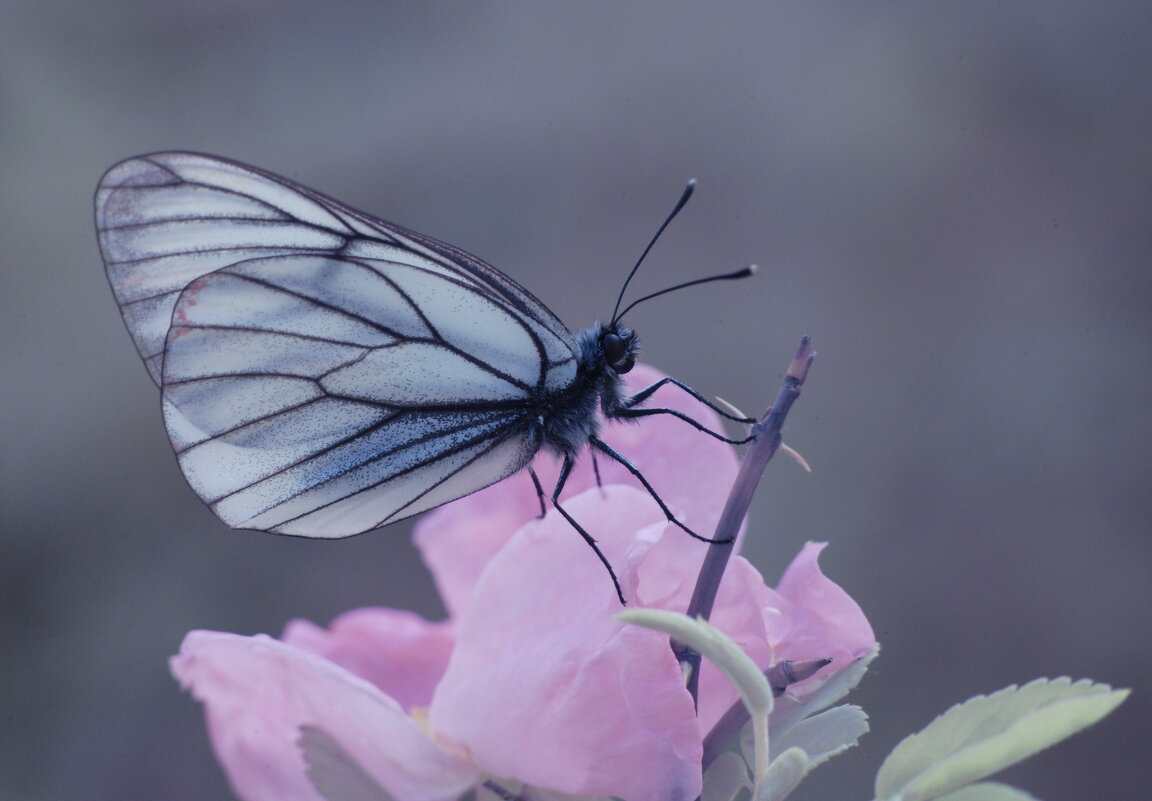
(187,299)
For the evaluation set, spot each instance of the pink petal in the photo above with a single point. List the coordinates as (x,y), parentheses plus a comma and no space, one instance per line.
(826,622)
(400,652)
(690,470)
(258,692)
(457,540)
(748,611)
(808,617)
(545,686)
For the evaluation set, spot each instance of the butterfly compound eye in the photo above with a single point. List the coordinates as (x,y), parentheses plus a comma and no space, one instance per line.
(617,353)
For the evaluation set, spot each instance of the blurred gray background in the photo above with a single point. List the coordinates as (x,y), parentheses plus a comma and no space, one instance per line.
(953,199)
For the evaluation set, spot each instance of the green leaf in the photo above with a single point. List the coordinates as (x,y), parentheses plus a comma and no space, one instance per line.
(826,734)
(988,733)
(789,710)
(785,772)
(818,738)
(988,791)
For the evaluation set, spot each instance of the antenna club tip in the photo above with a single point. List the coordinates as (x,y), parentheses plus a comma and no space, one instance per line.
(753,269)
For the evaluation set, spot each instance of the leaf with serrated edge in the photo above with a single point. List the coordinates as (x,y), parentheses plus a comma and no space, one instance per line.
(988,733)
(826,734)
(789,711)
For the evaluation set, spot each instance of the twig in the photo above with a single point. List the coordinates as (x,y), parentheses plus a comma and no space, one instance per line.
(767,434)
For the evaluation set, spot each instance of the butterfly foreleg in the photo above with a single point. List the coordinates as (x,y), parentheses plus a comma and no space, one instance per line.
(565,469)
(646,393)
(603,446)
(626,413)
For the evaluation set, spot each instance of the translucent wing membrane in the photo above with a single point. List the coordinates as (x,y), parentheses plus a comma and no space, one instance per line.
(166,219)
(323,372)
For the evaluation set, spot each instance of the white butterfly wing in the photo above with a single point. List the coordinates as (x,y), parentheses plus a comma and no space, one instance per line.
(323,372)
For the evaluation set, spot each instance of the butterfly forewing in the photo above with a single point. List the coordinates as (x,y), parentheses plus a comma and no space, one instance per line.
(323,372)
(165,219)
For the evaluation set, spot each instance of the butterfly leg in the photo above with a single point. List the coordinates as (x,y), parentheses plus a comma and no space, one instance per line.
(627,409)
(625,413)
(646,393)
(565,469)
(601,445)
(539,491)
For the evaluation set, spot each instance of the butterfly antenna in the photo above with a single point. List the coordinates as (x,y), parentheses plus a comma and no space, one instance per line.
(744,273)
(688,190)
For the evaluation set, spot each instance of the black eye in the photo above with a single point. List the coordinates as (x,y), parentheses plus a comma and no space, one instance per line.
(613,347)
(616,352)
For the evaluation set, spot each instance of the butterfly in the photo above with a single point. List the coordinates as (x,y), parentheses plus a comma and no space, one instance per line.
(324,372)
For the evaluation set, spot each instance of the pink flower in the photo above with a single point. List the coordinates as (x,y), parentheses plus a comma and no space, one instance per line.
(531,678)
